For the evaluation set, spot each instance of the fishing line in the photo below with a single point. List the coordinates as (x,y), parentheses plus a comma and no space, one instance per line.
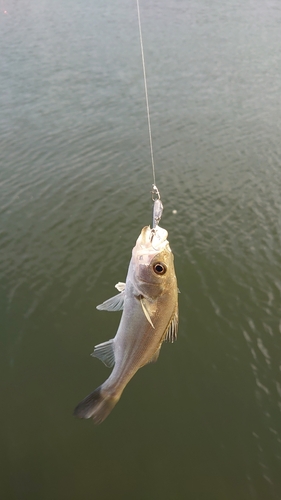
(157,204)
(154,188)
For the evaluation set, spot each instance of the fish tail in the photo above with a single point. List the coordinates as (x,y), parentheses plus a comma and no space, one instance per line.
(96,405)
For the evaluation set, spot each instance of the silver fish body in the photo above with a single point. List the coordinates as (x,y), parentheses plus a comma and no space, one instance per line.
(149,300)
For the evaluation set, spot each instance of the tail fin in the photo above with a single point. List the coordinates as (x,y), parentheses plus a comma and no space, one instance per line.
(96,405)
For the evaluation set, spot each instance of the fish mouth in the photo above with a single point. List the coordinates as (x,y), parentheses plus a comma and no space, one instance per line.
(151,244)
(153,239)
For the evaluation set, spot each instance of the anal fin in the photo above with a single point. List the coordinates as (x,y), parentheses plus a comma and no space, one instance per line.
(105,352)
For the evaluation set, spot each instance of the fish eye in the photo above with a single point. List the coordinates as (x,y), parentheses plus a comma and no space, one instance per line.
(159,268)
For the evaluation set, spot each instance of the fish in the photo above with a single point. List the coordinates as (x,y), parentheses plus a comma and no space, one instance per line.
(149,301)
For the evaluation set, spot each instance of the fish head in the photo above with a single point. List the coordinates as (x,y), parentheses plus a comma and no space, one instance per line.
(153,261)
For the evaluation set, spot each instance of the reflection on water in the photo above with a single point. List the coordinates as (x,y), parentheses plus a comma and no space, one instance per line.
(204,422)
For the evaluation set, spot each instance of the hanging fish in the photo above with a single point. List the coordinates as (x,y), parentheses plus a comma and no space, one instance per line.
(149,300)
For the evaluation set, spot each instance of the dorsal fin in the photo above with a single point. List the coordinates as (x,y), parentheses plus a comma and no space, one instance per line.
(172,329)
(155,356)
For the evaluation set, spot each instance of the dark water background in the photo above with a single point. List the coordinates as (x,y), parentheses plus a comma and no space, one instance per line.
(204,422)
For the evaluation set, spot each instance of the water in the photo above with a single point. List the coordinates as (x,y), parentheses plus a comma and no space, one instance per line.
(203,423)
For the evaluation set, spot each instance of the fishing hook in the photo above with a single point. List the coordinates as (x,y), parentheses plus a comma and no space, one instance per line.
(157,206)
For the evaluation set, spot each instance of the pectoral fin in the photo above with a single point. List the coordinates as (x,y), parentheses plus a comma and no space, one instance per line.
(146,313)
(105,352)
(172,329)
(116,303)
